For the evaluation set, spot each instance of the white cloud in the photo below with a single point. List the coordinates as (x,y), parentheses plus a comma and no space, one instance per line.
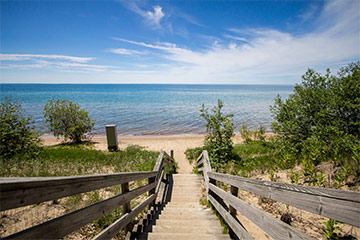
(152,18)
(18,57)
(267,55)
(38,61)
(123,51)
(155,17)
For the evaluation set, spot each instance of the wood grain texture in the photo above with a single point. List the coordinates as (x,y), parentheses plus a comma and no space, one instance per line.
(64,225)
(343,206)
(118,225)
(233,224)
(18,192)
(272,226)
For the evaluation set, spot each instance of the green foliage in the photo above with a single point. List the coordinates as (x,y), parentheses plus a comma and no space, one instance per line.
(69,160)
(254,155)
(220,130)
(342,177)
(323,110)
(192,154)
(248,135)
(245,133)
(65,118)
(18,136)
(320,121)
(294,177)
(273,176)
(330,228)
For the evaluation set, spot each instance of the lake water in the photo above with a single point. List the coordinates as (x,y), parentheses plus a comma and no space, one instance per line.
(152,109)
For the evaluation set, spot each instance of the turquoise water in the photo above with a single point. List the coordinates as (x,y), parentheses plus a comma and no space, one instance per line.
(152,109)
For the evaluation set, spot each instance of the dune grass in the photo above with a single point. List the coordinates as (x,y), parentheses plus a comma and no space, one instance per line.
(68,160)
(81,159)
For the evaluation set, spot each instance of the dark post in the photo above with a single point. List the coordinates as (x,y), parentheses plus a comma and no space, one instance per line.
(126,206)
(152,191)
(234,191)
(111,136)
(172,154)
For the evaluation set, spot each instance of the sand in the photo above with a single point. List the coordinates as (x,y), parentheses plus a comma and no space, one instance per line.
(178,143)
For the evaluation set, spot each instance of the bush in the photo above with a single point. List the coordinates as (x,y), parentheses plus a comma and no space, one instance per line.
(323,111)
(17,134)
(65,118)
(220,130)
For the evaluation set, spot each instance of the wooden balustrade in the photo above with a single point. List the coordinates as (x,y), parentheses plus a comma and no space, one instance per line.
(19,192)
(343,206)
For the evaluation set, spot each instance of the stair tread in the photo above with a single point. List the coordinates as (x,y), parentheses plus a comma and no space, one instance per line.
(186,229)
(181,236)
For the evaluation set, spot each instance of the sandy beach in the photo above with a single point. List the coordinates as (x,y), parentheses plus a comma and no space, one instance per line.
(178,143)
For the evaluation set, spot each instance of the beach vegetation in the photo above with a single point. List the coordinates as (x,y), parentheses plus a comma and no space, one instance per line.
(18,134)
(69,160)
(65,118)
(80,159)
(320,121)
(220,130)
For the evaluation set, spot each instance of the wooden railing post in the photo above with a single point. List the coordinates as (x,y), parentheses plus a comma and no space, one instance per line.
(234,191)
(152,191)
(126,206)
(172,154)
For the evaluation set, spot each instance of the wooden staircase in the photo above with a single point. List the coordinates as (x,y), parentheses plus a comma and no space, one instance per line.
(179,215)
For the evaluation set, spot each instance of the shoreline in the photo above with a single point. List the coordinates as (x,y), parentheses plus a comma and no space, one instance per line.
(178,135)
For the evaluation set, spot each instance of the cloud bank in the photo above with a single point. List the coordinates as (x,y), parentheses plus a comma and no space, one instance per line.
(266,55)
(238,55)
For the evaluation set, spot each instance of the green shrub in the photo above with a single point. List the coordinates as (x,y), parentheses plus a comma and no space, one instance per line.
(220,130)
(192,154)
(321,119)
(17,132)
(245,133)
(65,118)
(330,229)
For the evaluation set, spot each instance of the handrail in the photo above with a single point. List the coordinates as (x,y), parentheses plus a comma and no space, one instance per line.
(340,205)
(18,192)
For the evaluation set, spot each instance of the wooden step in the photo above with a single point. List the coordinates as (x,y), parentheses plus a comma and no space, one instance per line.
(182,236)
(194,229)
(179,222)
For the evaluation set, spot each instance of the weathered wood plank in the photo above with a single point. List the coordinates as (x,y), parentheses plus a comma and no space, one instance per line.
(235,226)
(171,162)
(126,207)
(118,225)
(343,206)
(159,164)
(25,191)
(200,169)
(234,191)
(200,162)
(271,225)
(168,169)
(64,225)
(200,157)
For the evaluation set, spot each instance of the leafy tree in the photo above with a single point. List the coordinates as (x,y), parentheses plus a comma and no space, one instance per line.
(17,132)
(65,118)
(220,130)
(322,113)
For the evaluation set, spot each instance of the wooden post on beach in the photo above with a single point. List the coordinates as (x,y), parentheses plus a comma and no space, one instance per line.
(172,154)
(111,136)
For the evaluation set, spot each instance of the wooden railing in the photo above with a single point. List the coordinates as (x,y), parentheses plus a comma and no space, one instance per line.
(343,206)
(19,192)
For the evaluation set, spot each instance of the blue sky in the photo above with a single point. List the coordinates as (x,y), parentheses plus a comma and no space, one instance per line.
(192,41)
